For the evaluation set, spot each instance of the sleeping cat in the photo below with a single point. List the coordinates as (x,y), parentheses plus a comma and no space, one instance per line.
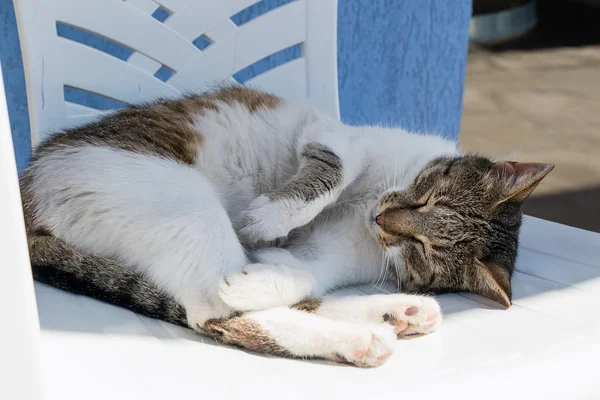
(234,211)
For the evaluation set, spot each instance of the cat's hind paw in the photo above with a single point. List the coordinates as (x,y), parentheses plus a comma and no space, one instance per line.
(370,346)
(412,315)
(263,286)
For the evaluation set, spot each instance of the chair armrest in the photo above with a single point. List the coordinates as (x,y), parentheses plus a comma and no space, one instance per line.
(19,336)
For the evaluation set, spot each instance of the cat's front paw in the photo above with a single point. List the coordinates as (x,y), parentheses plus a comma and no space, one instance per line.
(262,286)
(368,346)
(265,220)
(411,315)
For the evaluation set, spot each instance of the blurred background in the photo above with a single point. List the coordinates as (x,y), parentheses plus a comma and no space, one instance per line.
(532,93)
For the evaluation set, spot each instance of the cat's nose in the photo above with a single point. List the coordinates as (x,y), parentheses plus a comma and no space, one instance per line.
(399,221)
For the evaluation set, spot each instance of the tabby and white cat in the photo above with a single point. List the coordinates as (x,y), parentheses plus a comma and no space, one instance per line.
(233,211)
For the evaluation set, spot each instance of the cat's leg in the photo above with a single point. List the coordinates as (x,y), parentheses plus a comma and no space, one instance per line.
(162,219)
(264,286)
(408,314)
(322,258)
(330,161)
(294,333)
(285,280)
(279,279)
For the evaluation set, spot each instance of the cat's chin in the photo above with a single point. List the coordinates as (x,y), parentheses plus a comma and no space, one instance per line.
(399,249)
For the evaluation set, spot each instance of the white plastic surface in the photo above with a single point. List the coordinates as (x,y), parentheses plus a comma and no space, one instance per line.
(52,62)
(547,345)
(19,330)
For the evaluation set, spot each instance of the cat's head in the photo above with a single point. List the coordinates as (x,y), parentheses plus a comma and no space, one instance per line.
(456,226)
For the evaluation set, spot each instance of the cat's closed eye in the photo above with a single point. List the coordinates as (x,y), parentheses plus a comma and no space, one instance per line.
(418,243)
(419,205)
(423,201)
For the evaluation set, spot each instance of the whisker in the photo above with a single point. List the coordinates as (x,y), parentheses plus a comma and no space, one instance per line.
(384,270)
(387,178)
(395,172)
(380,271)
(399,272)
(382,181)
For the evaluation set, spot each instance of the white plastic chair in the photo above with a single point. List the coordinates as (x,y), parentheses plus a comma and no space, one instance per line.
(52,62)
(95,351)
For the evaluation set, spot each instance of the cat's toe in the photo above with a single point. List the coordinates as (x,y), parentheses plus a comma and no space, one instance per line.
(262,286)
(370,347)
(414,315)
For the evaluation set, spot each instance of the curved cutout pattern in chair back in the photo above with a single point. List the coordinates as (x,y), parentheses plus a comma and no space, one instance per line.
(83,58)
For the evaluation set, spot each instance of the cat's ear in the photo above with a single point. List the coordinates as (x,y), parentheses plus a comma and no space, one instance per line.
(518,180)
(493,282)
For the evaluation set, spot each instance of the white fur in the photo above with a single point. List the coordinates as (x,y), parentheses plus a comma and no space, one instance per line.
(263,286)
(161,218)
(308,335)
(177,224)
(350,328)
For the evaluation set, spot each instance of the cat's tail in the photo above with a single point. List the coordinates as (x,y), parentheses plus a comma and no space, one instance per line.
(62,266)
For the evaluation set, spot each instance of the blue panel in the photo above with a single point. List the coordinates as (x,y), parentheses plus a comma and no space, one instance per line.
(160,14)
(401,63)
(14,83)
(269,62)
(255,10)
(164,73)
(89,39)
(202,42)
(91,100)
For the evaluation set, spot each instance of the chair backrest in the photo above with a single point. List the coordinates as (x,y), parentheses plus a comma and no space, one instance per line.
(115,52)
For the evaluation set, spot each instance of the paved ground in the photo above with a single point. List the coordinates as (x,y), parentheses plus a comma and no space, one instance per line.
(539,100)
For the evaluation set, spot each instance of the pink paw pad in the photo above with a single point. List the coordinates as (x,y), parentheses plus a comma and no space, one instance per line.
(399,325)
(410,311)
(431,316)
(384,357)
(361,353)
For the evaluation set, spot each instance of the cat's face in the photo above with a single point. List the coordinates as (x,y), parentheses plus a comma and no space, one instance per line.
(456,226)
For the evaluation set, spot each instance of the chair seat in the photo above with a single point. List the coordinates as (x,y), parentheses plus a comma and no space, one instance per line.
(546,345)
